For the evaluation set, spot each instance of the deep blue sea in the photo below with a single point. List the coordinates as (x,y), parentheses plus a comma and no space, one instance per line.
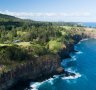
(83,63)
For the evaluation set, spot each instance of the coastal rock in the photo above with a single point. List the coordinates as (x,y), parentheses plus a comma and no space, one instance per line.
(66,74)
(60,70)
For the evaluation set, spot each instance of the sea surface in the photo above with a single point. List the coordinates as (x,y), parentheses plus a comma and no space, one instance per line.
(82,63)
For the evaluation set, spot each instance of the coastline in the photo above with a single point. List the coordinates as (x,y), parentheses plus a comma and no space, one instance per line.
(40,75)
(42,78)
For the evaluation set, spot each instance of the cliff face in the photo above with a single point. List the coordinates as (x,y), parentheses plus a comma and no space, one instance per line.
(39,67)
(64,53)
(31,70)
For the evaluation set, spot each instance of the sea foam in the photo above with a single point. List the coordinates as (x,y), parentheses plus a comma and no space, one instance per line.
(79,52)
(36,85)
(84,39)
(77,75)
(73,58)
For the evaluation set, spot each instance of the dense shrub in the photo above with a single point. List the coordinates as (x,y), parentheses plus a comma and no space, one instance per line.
(13,53)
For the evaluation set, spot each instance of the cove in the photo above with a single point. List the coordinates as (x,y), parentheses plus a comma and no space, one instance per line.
(83,63)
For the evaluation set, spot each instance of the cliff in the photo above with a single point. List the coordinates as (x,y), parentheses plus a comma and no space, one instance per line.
(50,65)
(46,65)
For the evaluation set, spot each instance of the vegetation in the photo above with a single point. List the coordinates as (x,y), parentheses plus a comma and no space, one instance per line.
(23,40)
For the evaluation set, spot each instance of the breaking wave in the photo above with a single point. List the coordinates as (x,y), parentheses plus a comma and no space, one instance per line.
(79,52)
(77,75)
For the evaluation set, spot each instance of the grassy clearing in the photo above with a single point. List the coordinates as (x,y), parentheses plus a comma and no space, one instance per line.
(54,46)
(66,27)
(5,44)
(63,33)
(21,33)
(24,44)
(70,27)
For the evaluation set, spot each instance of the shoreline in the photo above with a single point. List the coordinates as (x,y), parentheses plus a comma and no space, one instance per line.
(26,83)
(66,53)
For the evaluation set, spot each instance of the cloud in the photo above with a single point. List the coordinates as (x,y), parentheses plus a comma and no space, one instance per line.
(33,15)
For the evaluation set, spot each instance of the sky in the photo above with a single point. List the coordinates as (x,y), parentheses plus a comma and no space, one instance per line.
(51,10)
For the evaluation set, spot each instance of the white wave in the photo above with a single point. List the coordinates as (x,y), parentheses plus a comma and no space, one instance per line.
(50,81)
(70,70)
(36,85)
(77,75)
(56,76)
(79,52)
(84,39)
(34,89)
(73,58)
(79,42)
